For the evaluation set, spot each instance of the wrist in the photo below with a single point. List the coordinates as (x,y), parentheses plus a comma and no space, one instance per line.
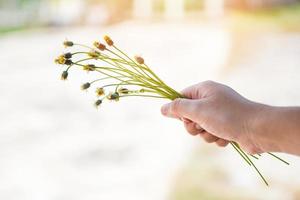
(263,129)
(276,129)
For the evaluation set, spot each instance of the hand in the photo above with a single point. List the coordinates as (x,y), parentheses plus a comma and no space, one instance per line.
(218,114)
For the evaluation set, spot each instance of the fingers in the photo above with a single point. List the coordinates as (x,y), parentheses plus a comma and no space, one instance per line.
(182,108)
(195,129)
(192,128)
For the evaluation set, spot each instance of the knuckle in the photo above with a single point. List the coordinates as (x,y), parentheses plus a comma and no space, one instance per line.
(176,105)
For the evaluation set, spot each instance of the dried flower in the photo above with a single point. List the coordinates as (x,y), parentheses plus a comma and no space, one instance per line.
(121,70)
(100,91)
(60,60)
(94,54)
(89,67)
(68,43)
(99,46)
(64,75)
(68,62)
(123,91)
(113,96)
(68,55)
(139,60)
(85,86)
(108,40)
(98,103)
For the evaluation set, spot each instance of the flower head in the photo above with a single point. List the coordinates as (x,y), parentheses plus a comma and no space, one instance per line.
(99,46)
(68,55)
(64,75)
(139,60)
(69,62)
(68,43)
(108,40)
(94,54)
(100,91)
(89,67)
(98,103)
(113,96)
(85,86)
(123,91)
(60,60)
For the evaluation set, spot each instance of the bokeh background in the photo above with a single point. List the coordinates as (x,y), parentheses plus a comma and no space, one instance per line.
(54,145)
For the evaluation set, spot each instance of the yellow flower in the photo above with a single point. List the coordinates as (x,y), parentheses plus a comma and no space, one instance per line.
(100,91)
(60,60)
(94,54)
(139,60)
(108,40)
(89,67)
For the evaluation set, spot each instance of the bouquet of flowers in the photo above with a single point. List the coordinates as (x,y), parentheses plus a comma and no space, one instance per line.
(122,76)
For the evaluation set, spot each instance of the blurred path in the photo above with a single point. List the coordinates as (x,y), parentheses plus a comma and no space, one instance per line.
(55,146)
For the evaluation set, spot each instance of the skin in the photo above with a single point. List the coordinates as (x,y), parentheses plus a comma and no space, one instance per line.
(219,114)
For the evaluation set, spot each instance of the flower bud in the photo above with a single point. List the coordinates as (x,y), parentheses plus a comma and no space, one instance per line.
(100,91)
(98,103)
(68,43)
(85,86)
(89,67)
(123,91)
(64,75)
(108,40)
(139,60)
(67,55)
(68,62)
(94,54)
(99,46)
(113,96)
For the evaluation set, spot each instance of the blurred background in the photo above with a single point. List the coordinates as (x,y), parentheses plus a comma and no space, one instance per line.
(55,145)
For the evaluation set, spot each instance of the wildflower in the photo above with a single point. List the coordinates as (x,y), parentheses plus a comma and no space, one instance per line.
(123,91)
(60,60)
(94,54)
(98,103)
(99,46)
(108,40)
(64,75)
(113,96)
(68,43)
(100,91)
(67,55)
(85,86)
(89,67)
(68,62)
(139,60)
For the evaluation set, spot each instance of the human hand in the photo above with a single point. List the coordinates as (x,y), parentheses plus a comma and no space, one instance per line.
(218,114)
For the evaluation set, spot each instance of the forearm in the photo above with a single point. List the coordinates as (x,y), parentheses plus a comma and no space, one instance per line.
(278,129)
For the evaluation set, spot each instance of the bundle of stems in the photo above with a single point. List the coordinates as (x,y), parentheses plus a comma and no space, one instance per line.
(126,77)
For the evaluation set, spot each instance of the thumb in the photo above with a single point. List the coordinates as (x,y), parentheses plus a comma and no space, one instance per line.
(179,108)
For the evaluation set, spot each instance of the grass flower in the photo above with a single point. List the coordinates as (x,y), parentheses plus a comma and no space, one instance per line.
(100,92)
(85,86)
(126,77)
(64,75)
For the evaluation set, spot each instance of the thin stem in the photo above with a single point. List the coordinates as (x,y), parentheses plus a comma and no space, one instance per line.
(271,154)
